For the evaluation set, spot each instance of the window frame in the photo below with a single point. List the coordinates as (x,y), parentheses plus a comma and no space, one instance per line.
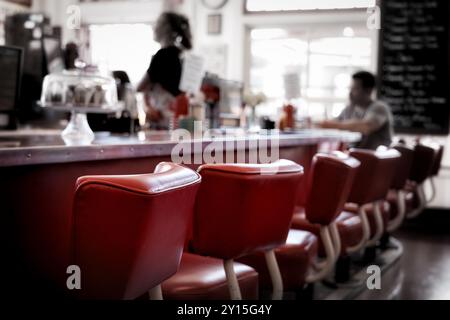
(324,23)
(309,11)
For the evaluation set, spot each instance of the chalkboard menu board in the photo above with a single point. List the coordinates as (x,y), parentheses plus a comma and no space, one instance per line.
(414,64)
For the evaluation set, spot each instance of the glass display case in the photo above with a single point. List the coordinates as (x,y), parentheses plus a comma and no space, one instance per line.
(80,90)
(80,93)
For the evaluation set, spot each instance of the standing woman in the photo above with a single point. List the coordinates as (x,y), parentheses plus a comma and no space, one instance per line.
(162,79)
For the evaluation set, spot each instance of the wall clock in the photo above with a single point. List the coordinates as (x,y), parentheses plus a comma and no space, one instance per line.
(214,4)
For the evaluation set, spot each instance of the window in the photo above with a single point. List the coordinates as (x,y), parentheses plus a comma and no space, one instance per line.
(127,47)
(296,5)
(324,56)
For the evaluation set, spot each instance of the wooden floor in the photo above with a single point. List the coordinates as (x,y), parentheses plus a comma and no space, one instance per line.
(423,271)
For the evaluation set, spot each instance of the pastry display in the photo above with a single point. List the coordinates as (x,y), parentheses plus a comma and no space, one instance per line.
(79,89)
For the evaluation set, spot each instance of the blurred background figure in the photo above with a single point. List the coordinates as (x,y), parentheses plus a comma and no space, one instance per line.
(372,118)
(71,55)
(162,79)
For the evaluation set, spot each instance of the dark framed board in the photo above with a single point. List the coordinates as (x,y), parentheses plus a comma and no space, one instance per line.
(27,3)
(414,70)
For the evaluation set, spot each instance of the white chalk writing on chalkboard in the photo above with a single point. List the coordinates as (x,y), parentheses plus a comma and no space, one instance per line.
(414,63)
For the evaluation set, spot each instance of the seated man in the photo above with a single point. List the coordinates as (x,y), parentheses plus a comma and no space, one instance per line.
(373,119)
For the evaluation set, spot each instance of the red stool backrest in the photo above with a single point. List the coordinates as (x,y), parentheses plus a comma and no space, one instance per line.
(438,162)
(404,167)
(424,159)
(329,184)
(375,175)
(129,231)
(239,210)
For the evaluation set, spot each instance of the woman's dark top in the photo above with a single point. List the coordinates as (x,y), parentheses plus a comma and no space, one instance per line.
(165,69)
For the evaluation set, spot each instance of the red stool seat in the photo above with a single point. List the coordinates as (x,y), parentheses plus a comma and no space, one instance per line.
(350,229)
(385,213)
(349,226)
(300,222)
(202,278)
(294,259)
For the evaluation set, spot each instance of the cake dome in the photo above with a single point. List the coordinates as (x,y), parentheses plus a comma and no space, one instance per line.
(78,89)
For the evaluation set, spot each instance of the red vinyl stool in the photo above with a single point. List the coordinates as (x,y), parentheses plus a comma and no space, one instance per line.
(242,209)
(369,191)
(328,186)
(365,217)
(129,231)
(393,210)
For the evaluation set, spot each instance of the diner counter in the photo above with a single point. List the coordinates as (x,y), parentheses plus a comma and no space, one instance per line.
(39,174)
(34,147)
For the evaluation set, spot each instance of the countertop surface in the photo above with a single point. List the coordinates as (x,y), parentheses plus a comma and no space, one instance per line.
(30,147)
